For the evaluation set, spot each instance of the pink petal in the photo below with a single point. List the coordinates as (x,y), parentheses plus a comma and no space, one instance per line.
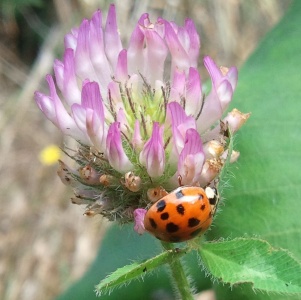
(122,120)
(91,98)
(58,68)
(180,123)
(217,76)
(63,120)
(159,27)
(211,112)
(83,65)
(179,56)
(79,116)
(139,215)
(133,84)
(182,36)
(232,76)
(70,39)
(136,46)
(116,101)
(137,141)
(90,115)
(96,129)
(112,39)
(153,154)
(195,43)
(97,52)
(116,98)
(121,72)
(70,89)
(213,70)
(224,93)
(219,98)
(156,52)
(191,159)
(115,152)
(193,97)
(46,105)
(178,86)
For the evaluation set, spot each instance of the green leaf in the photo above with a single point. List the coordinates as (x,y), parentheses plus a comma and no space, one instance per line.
(265,196)
(137,269)
(120,247)
(253,261)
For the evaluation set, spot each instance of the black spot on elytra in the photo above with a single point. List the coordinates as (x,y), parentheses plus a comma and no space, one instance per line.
(201,197)
(179,194)
(164,216)
(196,232)
(212,201)
(153,223)
(172,227)
(161,205)
(175,239)
(180,209)
(203,206)
(192,222)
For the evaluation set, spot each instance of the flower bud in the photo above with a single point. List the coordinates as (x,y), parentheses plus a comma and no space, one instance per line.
(139,215)
(154,194)
(89,175)
(132,182)
(213,149)
(210,171)
(107,180)
(66,174)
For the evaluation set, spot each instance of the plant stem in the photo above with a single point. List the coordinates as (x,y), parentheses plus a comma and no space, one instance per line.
(178,274)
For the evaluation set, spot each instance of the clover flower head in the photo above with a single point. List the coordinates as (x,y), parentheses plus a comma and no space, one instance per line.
(139,114)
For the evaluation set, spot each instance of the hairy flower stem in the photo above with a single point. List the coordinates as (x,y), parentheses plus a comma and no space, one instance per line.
(178,274)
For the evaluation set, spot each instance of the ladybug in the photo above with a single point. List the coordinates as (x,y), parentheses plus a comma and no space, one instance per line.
(183,214)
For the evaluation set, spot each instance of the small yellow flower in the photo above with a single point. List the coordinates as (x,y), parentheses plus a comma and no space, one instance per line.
(50,155)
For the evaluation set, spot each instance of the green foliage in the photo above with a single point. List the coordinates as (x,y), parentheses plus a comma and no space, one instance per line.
(252,261)
(120,247)
(9,7)
(264,199)
(135,270)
